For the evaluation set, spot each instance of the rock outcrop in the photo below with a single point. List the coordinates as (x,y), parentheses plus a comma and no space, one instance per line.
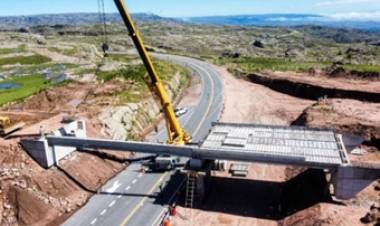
(128,121)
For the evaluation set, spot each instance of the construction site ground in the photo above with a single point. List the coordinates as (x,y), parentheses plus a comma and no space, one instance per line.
(256,199)
(32,195)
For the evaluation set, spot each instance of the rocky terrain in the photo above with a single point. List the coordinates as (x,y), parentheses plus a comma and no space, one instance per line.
(109,93)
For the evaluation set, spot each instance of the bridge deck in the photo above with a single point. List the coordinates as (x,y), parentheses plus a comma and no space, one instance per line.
(241,142)
(314,146)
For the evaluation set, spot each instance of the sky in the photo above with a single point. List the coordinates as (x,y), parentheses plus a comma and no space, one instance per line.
(181,8)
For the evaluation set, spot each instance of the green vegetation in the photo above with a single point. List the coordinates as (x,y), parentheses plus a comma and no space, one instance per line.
(137,75)
(130,96)
(19,49)
(122,57)
(83,71)
(67,51)
(24,60)
(137,72)
(37,68)
(362,67)
(29,85)
(131,72)
(258,64)
(248,64)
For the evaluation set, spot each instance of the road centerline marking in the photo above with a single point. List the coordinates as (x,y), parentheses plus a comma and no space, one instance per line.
(210,102)
(93,221)
(112,203)
(140,204)
(103,212)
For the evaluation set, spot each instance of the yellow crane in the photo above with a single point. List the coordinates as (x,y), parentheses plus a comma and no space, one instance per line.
(176,135)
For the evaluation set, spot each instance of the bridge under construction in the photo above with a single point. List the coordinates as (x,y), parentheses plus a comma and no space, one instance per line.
(296,146)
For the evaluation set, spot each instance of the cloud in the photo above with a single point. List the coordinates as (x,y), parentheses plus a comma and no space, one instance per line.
(356,16)
(343,2)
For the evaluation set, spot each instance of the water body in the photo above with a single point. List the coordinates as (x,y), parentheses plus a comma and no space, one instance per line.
(9,85)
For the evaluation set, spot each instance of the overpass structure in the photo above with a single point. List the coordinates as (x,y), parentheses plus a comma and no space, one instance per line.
(298,146)
(239,142)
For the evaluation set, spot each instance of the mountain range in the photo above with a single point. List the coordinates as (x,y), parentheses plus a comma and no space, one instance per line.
(75,19)
(271,20)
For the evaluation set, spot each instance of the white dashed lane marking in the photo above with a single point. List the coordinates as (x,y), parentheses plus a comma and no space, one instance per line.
(112,203)
(119,196)
(93,221)
(134,181)
(103,212)
(127,188)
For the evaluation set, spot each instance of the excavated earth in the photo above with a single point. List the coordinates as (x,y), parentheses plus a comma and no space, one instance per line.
(316,86)
(32,195)
(286,195)
(347,117)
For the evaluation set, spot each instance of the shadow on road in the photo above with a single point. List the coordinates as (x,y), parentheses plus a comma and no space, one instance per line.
(168,193)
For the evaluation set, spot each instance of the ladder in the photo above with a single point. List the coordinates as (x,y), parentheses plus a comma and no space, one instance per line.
(190,189)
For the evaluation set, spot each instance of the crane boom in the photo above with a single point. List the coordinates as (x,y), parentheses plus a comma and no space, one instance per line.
(176,135)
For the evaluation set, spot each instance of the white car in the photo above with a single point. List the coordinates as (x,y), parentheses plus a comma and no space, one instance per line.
(180,111)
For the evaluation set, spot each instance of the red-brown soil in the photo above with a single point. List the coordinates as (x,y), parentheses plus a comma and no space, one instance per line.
(31,195)
(247,102)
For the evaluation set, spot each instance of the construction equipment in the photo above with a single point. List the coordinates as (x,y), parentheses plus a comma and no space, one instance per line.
(176,135)
(7,127)
(163,163)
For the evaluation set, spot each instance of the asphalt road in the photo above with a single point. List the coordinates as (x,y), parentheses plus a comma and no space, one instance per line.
(137,199)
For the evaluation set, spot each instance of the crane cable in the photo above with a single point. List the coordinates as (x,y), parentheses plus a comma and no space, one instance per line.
(104,46)
(103,21)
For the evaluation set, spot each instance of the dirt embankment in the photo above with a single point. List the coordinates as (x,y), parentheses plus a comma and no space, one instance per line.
(248,102)
(31,195)
(337,71)
(288,196)
(254,201)
(345,116)
(311,87)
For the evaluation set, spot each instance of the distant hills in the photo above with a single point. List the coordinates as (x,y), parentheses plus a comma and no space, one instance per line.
(12,22)
(271,20)
(286,20)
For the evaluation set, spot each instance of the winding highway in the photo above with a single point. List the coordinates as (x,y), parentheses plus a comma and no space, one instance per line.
(137,199)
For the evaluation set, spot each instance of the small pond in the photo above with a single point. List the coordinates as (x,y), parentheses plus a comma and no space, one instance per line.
(9,85)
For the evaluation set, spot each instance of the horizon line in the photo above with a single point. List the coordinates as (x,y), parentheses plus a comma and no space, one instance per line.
(149,13)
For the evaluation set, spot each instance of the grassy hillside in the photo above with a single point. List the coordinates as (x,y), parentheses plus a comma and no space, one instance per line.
(25,60)
(260,64)
(28,85)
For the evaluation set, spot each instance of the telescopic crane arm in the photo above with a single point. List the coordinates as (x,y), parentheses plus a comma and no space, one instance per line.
(175,133)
